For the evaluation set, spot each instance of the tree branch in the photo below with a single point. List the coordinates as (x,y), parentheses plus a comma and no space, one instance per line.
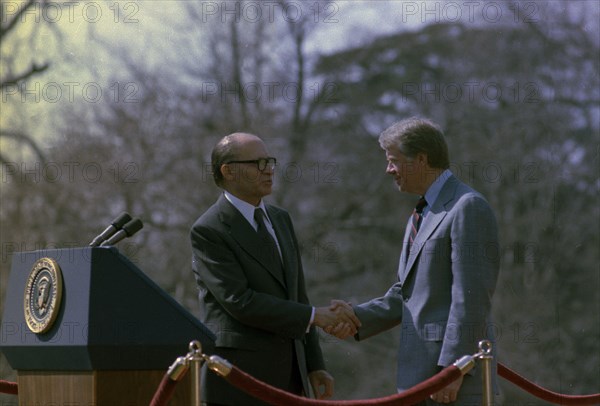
(34,70)
(12,23)
(25,139)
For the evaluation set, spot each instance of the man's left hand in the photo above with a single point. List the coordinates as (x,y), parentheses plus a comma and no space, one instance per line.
(322,384)
(449,393)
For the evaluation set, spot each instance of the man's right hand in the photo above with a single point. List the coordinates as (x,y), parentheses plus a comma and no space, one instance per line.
(338,319)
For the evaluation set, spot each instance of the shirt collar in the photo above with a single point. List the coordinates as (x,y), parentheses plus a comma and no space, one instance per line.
(245,208)
(436,187)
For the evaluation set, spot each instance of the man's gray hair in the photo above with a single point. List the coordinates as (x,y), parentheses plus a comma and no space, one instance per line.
(416,135)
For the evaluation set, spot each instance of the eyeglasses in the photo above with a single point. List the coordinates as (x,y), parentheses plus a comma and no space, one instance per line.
(261,163)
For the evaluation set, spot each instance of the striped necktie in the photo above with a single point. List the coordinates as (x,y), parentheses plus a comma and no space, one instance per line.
(416,218)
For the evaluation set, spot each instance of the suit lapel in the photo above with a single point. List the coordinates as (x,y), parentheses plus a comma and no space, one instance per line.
(434,217)
(241,231)
(403,260)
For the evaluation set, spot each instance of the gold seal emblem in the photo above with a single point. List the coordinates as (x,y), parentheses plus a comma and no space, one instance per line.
(43,293)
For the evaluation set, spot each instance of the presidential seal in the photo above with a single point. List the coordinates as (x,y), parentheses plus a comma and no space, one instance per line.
(43,293)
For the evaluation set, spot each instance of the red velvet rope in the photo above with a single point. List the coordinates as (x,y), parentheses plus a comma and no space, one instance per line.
(164,392)
(10,388)
(275,396)
(545,394)
(413,395)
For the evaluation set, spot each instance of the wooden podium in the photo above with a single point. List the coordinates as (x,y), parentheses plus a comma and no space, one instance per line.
(85,326)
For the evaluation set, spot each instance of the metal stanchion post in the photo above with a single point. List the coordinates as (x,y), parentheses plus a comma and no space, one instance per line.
(195,357)
(485,351)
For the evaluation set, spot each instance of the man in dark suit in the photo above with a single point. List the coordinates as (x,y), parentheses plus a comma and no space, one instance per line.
(247,265)
(448,266)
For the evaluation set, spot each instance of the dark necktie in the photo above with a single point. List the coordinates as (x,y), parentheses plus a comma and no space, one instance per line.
(417,217)
(267,245)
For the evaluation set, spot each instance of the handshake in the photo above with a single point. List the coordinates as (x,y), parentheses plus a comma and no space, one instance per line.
(338,319)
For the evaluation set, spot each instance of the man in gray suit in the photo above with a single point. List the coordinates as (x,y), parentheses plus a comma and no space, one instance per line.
(448,266)
(246,260)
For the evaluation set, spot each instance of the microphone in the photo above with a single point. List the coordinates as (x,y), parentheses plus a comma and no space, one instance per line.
(115,226)
(128,230)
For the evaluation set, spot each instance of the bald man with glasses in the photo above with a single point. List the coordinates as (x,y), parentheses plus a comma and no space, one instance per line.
(247,265)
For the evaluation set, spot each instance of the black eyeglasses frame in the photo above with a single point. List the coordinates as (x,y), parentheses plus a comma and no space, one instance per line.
(261,163)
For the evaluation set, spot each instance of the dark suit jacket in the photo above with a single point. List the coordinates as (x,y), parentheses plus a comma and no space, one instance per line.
(443,296)
(259,319)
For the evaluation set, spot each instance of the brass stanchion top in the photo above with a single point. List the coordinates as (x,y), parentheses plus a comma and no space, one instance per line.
(177,371)
(465,364)
(195,347)
(485,347)
(219,365)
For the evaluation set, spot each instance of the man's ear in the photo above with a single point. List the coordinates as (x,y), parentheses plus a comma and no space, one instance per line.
(226,172)
(421,159)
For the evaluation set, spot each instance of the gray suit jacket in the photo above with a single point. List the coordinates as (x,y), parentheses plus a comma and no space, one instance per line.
(259,319)
(444,291)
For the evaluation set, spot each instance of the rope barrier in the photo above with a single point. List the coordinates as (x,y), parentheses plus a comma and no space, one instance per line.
(165,391)
(545,394)
(10,388)
(269,394)
(417,393)
(275,396)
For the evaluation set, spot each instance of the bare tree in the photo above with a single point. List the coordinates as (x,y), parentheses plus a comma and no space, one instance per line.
(9,25)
